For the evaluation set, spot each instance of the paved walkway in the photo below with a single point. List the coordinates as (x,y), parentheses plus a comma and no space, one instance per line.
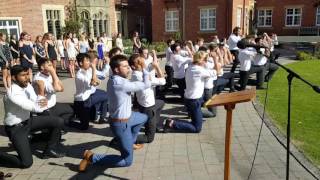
(172,155)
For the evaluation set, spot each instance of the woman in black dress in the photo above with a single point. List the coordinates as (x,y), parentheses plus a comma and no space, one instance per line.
(91,42)
(39,48)
(51,50)
(6,58)
(14,47)
(136,42)
(26,53)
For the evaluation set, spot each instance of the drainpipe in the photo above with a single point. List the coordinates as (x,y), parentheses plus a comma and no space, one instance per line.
(184,19)
(243,16)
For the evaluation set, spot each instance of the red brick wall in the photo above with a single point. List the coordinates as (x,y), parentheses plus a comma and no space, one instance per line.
(279,15)
(225,18)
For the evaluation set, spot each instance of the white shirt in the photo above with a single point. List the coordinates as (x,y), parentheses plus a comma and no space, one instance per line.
(208,83)
(195,78)
(179,64)
(168,56)
(49,90)
(119,43)
(246,56)
(146,97)
(232,42)
(83,87)
(260,59)
(18,103)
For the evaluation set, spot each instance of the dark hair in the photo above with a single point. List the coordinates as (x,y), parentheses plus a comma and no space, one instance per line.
(16,69)
(169,41)
(42,61)
(257,39)
(132,58)
(212,46)
(81,57)
(203,48)
(113,51)
(242,44)
(116,60)
(141,49)
(1,34)
(174,46)
(236,29)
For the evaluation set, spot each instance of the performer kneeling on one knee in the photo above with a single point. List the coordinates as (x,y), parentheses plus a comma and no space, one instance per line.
(19,101)
(196,75)
(89,102)
(146,99)
(124,123)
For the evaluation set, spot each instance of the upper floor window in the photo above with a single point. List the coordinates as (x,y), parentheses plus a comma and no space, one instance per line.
(208,19)
(172,21)
(265,18)
(293,16)
(318,16)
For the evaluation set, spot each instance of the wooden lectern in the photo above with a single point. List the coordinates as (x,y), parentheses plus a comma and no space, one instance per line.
(229,102)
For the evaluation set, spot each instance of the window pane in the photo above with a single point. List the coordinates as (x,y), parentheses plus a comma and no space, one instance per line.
(289,11)
(269,12)
(297,20)
(268,21)
(289,20)
(50,26)
(261,12)
(261,21)
(212,22)
(318,19)
(211,12)
(297,11)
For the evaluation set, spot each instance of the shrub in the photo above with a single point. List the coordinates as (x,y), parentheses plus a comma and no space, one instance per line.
(159,46)
(301,55)
(127,43)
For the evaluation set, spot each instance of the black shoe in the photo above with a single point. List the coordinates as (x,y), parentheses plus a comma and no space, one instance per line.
(52,154)
(166,126)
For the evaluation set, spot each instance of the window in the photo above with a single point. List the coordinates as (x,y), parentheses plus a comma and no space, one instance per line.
(54,22)
(318,16)
(10,27)
(239,15)
(265,18)
(119,22)
(172,21)
(95,29)
(293,17)
(140,25)
(207,19)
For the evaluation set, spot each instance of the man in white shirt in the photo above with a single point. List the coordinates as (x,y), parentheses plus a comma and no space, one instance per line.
(89,102)
(179,64)
(168,67)
(247,56)
(46,83)
(196,75)
(19,101)
(147,103)
(234,38)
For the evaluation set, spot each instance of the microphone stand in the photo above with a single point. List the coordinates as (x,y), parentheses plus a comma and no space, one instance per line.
(291,75)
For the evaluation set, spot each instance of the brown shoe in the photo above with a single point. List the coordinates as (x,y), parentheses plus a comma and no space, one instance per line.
(87,159)
(137,146)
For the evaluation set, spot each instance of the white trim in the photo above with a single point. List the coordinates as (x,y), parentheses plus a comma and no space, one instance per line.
(46,7)
(293,15)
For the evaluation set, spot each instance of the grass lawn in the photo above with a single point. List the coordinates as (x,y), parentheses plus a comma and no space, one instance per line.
(305,108)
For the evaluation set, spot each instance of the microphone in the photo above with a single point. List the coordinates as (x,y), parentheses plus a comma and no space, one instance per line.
(316,89)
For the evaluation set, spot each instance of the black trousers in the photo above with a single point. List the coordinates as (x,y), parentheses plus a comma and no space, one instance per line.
(62,110)
(236,61)
(181,86)
(153,114)
(244,76)
(18,135)
(169,78)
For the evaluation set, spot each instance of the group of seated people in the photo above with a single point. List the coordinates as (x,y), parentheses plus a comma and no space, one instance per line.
(31,105)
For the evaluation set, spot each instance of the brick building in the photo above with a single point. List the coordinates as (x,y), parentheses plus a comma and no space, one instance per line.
(199,18)
(288,17)
(39,16)
(134,15)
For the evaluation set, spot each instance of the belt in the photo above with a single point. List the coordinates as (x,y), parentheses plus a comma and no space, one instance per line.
(119,120)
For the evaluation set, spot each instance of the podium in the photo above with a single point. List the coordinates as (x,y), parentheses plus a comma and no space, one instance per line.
(229,102)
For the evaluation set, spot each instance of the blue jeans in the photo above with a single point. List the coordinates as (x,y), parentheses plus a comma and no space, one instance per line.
(126,133)
(194,109)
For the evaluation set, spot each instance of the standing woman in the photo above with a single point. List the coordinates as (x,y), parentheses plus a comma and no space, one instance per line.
(136,42)
(39,48)
(91,42)
(26,53)
(83,44)
(6,58)
(14,46)
(100,48)
(119,43)
(51,50)
(71,49)
(61,48)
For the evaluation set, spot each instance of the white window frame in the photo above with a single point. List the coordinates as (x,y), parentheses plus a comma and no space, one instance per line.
(318,16)
(265,16)
(7,26)
(208,18)
(170,19)
(294,16)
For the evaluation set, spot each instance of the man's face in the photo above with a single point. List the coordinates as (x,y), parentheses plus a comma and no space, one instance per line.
(46,67)
(22,79)
(145,53)
(123,70)
(85,64)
